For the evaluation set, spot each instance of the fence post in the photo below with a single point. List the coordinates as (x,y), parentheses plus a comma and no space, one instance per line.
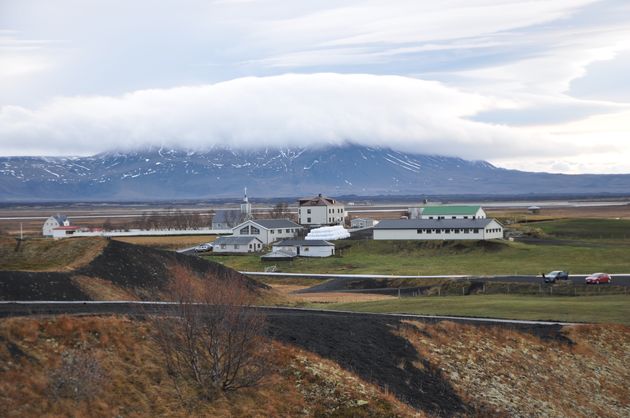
(508,288)
(399,293)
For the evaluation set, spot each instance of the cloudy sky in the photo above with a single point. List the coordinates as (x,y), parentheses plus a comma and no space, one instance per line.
(539,85)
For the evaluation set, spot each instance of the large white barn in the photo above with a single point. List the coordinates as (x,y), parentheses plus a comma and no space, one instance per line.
(442,229)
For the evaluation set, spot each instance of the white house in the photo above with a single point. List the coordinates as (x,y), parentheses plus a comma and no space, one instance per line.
(268,230)
(453,212)
(360,223)
(237,245)
(438,229)
(304,248)
(321,210)
(53,222)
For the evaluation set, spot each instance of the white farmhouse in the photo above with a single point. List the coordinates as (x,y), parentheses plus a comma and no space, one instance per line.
(304,248)
(453,212)
(268,230)
(321,210)
(53,222)
(442,229)
(237,245)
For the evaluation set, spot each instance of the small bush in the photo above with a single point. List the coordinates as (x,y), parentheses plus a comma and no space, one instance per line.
(79,376)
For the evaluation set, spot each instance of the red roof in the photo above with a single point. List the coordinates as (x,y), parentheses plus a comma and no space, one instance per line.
(66,228)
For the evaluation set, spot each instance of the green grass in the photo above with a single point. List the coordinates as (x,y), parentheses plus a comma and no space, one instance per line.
(602,309)
(588,229)
(474,258)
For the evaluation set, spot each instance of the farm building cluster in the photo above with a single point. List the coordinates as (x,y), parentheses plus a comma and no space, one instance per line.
(320,219)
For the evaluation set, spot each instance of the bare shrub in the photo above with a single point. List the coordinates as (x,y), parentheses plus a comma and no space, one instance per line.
(213,340)
(79,376)
(280,211)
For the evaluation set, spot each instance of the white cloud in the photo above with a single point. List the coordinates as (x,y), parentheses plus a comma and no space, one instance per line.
(289,110)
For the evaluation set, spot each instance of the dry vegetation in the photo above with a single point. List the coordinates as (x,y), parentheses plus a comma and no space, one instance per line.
(517,374)
(169,242)
(136,382)
(48,255)
(287,292)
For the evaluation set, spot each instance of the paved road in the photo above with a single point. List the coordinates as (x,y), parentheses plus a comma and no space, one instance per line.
(618,279)
(24,308)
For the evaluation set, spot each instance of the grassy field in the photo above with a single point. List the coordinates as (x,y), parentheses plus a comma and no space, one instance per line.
(601,309)
(475,258)
(587,229)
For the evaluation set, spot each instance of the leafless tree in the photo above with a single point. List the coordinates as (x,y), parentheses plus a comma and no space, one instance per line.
(213,341)
(280,211)
(233,217)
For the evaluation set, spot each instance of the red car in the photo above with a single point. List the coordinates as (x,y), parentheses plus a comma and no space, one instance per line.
(598,278)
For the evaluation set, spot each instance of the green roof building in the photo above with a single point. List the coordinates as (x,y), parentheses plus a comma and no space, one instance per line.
(453,212)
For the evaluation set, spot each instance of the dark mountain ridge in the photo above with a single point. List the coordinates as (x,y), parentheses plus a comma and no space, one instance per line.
(161,174)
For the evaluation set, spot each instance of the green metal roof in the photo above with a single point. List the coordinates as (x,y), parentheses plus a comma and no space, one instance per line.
(450,210)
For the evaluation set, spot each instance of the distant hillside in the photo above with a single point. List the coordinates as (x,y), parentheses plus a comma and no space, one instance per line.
(104,270)
(176,174)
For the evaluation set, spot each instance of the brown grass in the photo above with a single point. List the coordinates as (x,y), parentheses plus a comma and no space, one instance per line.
(328,297)
(48,255)
(99,289)
(168,242)
(137,384)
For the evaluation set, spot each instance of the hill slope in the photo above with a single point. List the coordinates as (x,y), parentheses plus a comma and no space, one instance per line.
(109,270)
(167,174)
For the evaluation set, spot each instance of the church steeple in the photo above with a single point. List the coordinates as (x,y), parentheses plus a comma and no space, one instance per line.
(246,207)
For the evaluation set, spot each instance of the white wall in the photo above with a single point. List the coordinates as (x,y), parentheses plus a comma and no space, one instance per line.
(306,250)
(480,214)
(266,235)
(49,225)
(322,215)
(253,246)
(412,234)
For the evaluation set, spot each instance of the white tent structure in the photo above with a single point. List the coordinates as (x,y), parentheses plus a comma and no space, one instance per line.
(328,233)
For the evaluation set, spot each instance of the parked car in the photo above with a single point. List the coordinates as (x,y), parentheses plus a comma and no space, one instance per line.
(598,278)
(203,248)
(555,275)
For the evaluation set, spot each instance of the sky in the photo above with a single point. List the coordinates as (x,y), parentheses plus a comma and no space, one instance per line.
(536,85)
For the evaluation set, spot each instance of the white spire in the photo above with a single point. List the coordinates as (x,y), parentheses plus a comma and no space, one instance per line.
(245,198)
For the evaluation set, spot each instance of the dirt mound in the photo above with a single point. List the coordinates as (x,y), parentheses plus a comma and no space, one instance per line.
(119,269)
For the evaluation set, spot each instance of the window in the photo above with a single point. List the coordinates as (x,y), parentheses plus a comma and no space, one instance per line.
(429,231)
(430,217)
(305,249)
(447,231)
(254,230)
(419,231)
(250,246)
(457,231)
(440,217)
(308,211)
(223,246)
(288,231)
(453,217)
(466,217)
(244,231)
(308,220)
(236,246)
(466,230)
(271,231)
(476,230)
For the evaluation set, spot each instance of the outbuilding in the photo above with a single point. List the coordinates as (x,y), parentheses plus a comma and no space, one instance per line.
(360,223)
(305,248)
(438,229)
(234,244)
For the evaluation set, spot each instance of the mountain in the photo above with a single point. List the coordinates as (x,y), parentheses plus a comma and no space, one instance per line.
(159,173)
